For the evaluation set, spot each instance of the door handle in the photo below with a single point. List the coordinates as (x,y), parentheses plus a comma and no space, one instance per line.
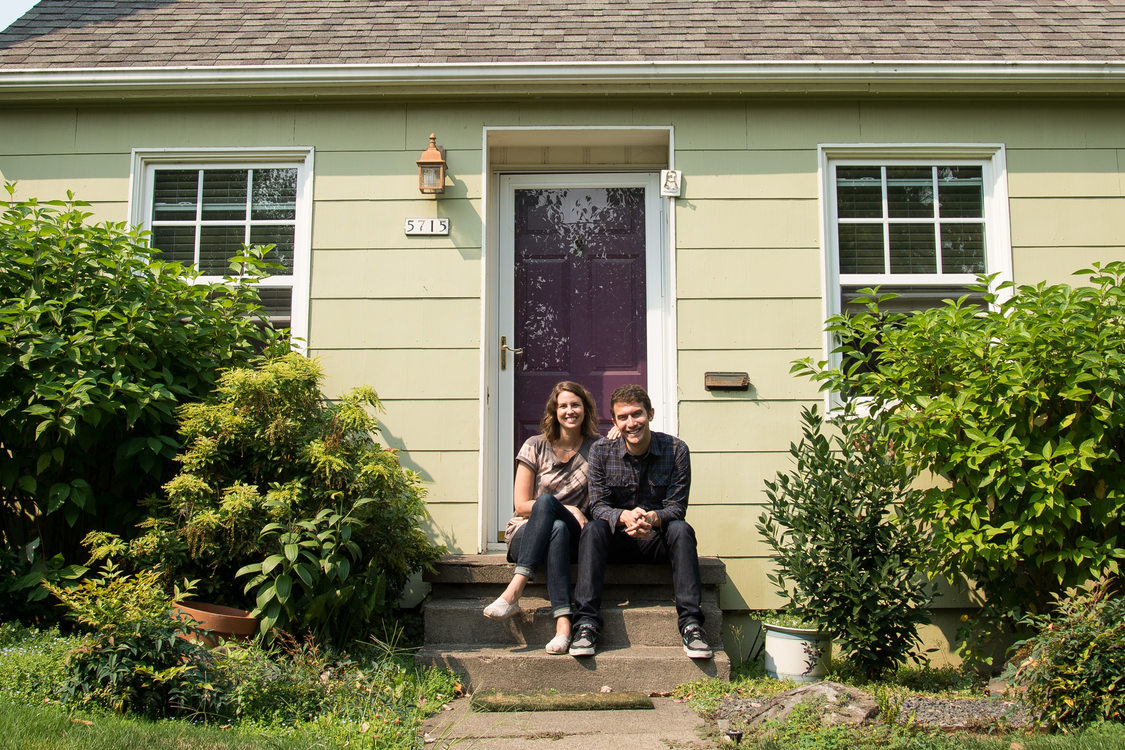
(504,349)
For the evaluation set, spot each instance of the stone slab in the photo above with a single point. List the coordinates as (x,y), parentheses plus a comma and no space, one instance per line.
(669,724)
(643,668)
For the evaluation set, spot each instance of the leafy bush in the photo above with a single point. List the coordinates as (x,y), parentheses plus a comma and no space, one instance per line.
(139,657)
(845,542)
(22,574)
(292,694)
(284,486)
(99,342)
(1074,666)
(31,661)
(1019,408)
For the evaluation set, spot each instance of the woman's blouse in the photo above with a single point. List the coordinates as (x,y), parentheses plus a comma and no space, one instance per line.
(566,480)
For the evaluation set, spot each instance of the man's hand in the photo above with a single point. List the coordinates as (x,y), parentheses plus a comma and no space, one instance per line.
(636,523)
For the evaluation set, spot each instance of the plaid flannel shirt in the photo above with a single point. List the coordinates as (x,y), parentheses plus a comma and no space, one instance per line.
(659,480)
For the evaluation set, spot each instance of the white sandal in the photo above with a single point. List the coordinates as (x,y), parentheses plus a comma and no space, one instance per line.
(500,609)
(560,644)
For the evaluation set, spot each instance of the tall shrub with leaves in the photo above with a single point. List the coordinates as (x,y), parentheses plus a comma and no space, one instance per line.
(292,490)
(846,543)
(1019,408)
(99,343)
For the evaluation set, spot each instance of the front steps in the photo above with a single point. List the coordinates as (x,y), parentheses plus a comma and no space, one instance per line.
(639,648)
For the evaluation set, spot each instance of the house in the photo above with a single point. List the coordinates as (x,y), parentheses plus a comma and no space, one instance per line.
(810,138)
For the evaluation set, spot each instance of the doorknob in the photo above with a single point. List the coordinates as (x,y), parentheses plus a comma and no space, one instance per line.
(504,349)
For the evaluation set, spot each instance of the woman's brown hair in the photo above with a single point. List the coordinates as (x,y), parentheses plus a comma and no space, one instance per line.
(550,422)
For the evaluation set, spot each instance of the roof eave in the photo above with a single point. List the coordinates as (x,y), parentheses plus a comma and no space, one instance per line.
(621,78)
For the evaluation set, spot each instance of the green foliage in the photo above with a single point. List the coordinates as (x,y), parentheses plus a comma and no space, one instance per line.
(291,695)
(1020,409)
(99,342)
(281,485)
(31,661)
(22,575)
(845,542)
(139,657)
(1073,668)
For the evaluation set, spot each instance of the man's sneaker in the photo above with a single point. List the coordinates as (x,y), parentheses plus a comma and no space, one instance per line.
(585,640)
(695,644)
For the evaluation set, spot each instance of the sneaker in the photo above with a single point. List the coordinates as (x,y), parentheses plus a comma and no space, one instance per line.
(695,643)
(585,641)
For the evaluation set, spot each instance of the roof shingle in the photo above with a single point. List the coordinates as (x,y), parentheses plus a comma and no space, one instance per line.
(208,33)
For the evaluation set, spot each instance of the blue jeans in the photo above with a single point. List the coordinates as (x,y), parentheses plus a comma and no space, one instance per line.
(674,543)
(551,535)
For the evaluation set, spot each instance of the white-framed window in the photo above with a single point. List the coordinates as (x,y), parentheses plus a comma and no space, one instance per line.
(922,221)
(202,206)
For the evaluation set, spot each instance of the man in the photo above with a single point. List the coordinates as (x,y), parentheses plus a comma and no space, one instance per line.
(638,497)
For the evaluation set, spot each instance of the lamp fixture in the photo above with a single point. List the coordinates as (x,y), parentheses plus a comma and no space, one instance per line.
(431,168)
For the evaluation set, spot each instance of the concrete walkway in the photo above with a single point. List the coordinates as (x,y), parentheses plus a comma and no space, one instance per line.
(671,725)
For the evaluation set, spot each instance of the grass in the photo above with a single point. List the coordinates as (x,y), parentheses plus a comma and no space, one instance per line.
(52,727)
(292,695)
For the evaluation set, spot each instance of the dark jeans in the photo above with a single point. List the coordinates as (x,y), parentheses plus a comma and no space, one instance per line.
(551,535)
(674,543)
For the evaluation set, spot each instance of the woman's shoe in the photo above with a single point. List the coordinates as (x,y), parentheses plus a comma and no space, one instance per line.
(500,609)
(560,644)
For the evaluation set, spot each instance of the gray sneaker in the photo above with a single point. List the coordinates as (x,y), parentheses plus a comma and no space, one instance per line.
(695,643)
(585,640)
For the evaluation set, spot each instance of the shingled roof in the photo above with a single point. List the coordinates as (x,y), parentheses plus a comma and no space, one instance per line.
(100,34)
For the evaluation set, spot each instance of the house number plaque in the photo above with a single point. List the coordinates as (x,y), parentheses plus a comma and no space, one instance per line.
(427,226)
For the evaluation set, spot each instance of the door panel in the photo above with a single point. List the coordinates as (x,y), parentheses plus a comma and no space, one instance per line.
(579,286)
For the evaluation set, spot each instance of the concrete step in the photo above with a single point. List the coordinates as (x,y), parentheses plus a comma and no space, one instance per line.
(641,668)
(494,568)
(611,594)
(461,621)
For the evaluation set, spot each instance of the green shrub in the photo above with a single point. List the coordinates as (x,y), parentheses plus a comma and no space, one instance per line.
(99,342)
(139,658)
(845,542)
(1073,668)
(292,490)
(31,662)
(1019,408)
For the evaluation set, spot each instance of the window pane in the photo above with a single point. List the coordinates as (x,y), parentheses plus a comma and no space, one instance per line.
(861,248)
(217,245)
(175,244)
(278,304)
(174,194)
(282,237)
(275,194)
(910,299)
(962,248)
(961,192)
(859,192)
(224,194)
(910,192)
(913,248)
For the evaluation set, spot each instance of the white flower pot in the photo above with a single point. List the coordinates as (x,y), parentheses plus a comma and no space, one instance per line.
(796,654)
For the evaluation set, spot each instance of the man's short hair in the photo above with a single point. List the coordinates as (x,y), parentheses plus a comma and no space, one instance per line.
(630,394)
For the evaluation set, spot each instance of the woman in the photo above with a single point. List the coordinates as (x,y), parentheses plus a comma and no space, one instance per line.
(550,495)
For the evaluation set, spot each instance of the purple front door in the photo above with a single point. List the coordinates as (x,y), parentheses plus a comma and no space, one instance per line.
(579,295)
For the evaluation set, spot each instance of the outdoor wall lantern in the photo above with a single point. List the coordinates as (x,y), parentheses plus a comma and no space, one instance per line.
(431,168)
